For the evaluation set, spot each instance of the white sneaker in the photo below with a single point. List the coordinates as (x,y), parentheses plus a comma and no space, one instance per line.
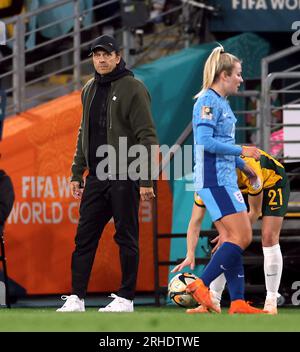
(119,304)
(72,304)
(271,306)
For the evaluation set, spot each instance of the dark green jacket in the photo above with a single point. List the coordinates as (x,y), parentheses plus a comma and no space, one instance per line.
(128,115)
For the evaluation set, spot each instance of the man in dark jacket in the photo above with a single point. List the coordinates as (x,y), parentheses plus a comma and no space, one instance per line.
(116,120)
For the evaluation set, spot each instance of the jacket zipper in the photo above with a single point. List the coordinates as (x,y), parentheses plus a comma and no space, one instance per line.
(109,111)
(109,127)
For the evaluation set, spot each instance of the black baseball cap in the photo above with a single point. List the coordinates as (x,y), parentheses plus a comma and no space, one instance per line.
(105,42)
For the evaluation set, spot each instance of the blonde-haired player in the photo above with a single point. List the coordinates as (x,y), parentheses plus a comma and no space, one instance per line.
(215,181)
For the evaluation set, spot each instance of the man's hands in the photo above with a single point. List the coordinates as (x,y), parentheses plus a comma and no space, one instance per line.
(146,193)
(76,190)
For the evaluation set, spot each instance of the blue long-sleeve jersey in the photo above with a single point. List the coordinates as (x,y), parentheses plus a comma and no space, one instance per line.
(215,152)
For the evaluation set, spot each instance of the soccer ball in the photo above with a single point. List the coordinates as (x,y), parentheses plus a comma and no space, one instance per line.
(177,293)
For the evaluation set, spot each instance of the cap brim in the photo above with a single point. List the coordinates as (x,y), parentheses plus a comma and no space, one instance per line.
(107,48)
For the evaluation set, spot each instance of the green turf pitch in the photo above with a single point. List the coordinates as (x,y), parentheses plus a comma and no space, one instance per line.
(168,319)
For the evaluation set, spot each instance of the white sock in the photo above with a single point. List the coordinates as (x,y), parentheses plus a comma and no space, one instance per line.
(273,269)
(217,286)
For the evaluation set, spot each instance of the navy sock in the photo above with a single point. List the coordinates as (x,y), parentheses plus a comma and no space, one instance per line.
(236,281)
(228,256)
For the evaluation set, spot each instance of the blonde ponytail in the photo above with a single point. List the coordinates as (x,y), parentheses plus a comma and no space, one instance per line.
(217,62)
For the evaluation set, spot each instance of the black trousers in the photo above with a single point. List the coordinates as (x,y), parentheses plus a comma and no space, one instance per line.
(100,201)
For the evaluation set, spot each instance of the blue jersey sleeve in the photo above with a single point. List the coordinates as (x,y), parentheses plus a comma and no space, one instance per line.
(206,111)
(206,114)
(240,163)
(205,137)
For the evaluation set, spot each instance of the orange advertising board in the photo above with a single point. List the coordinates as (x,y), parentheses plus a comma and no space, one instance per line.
(37,150)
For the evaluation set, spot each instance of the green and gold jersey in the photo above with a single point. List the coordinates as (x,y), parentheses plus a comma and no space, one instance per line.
(269,172)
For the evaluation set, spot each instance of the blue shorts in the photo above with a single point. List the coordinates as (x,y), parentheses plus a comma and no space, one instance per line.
(222,201)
